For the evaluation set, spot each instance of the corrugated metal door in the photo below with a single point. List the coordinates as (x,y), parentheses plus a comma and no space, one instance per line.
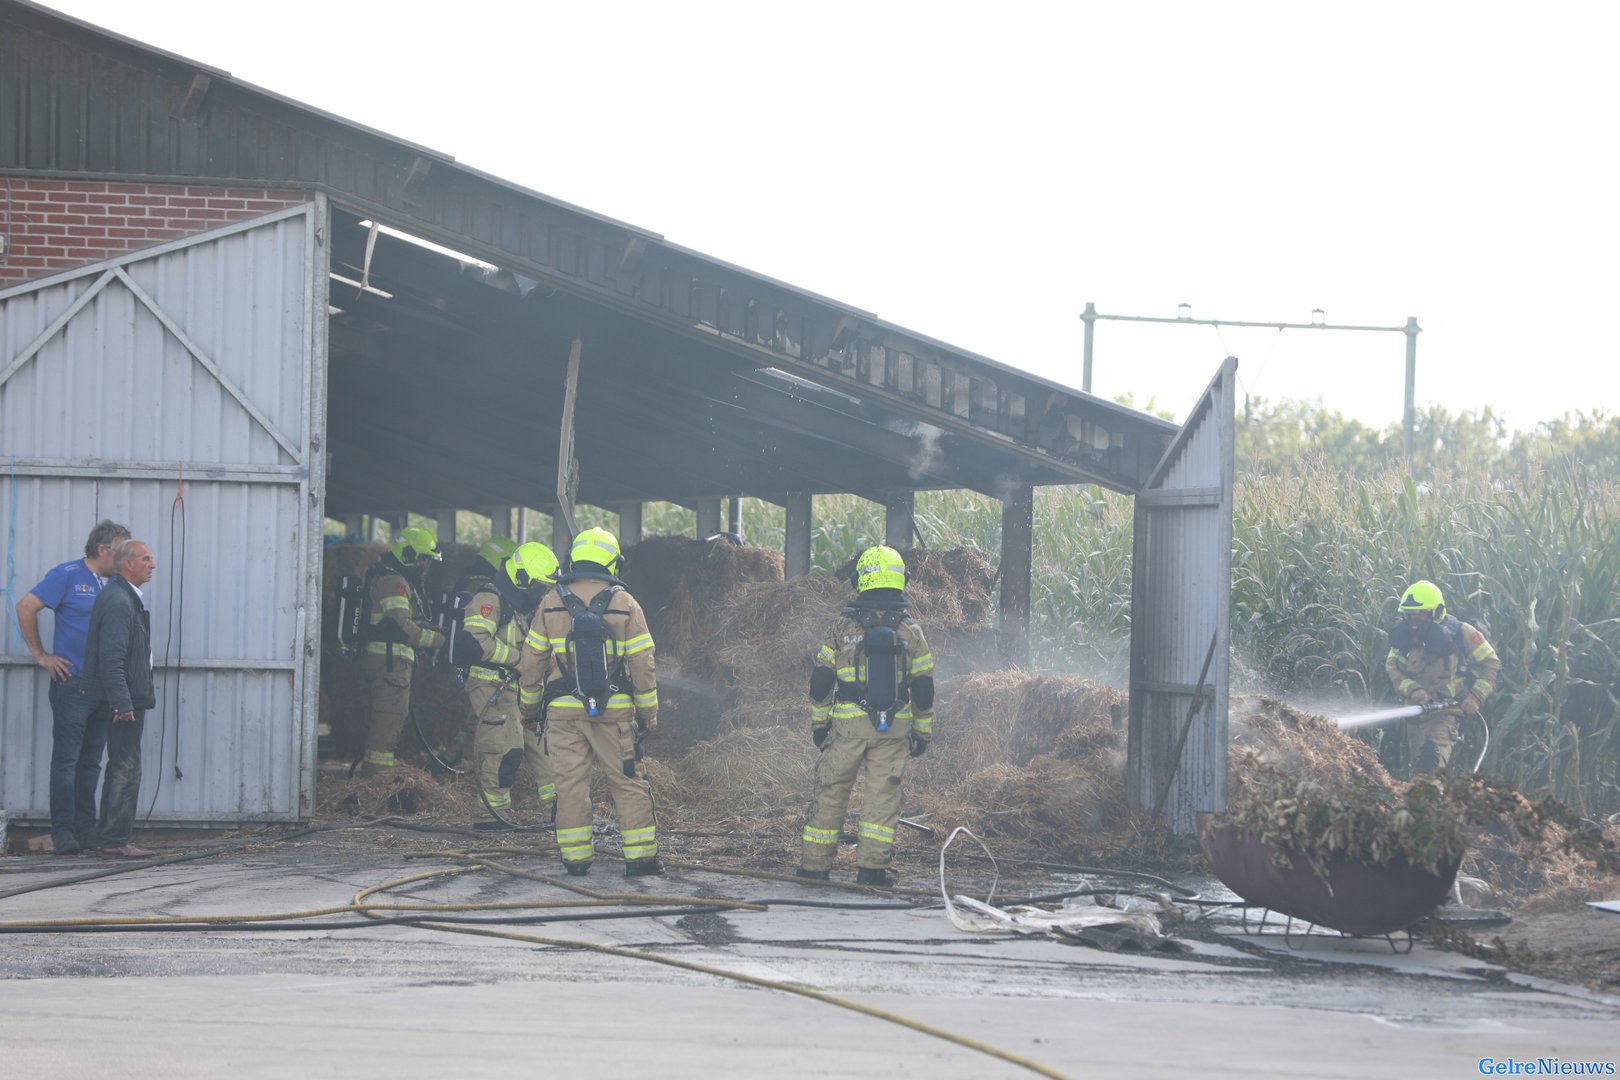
(179,390)
(1180,617)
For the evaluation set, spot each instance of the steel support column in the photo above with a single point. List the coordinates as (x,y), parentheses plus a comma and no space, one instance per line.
(629,524)
(708,518)
(899,519)
(1017,563)
(796,542)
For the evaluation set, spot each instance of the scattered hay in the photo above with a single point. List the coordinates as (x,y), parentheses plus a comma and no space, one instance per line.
(404,791)
(1268,732)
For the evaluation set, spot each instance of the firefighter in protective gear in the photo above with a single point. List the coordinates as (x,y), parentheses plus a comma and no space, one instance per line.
(574,738)
(396,627)
(848,734)
(496,618)
(1435,657)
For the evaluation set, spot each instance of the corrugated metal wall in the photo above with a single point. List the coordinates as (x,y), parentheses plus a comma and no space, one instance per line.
(1180,616)
(179,391)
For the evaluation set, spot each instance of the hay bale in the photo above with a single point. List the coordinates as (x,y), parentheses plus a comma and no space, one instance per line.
(1014,716)
(682,584)
(766,634)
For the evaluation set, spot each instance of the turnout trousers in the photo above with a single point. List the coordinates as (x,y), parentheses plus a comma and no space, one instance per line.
(573,745)
(501,743)
(1429,740)
(840,762)
(390,705)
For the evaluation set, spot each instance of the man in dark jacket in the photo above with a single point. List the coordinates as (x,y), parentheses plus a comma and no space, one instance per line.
(118,682)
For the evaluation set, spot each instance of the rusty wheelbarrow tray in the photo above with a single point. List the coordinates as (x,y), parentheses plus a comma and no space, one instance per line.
(1357,897)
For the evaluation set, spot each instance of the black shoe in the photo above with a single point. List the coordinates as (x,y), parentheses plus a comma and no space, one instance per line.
(491,825)
(66,847)
(577,869)
(813,875)
(642,867)
(868,875)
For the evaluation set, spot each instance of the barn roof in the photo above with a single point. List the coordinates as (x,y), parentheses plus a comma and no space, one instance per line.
(697,378)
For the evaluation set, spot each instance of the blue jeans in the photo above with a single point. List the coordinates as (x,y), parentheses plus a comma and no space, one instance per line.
(76,745)
(123,783)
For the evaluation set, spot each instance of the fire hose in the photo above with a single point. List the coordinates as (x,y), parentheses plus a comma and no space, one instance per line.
(1408,712)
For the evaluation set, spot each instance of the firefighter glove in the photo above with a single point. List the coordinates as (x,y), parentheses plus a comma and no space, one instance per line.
(819,733)
(919,745)
(1419,696)
(1469,704)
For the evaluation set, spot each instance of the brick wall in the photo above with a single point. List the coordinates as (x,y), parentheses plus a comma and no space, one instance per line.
(54,225)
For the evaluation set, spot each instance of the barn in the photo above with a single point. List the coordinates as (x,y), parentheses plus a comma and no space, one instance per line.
(228,319)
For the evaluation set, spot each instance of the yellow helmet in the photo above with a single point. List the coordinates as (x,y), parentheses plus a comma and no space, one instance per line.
(496,550)
(880,567)
(1424,596)
(532,564)
(413,543)
(596,546)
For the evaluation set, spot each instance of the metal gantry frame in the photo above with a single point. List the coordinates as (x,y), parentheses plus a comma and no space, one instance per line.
(1411,329)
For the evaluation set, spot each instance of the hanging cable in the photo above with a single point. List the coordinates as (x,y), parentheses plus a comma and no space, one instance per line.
(176,637)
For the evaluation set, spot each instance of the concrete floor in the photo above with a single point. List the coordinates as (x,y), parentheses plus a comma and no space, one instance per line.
(403,1001)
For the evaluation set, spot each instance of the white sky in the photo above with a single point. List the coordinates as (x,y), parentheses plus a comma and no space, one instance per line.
(978,172)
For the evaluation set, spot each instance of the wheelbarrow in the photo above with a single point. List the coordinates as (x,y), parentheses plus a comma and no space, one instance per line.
(1355,897)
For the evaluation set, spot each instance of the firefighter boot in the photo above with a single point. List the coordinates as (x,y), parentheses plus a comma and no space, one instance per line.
(643,867)
(873,875)
(812,875)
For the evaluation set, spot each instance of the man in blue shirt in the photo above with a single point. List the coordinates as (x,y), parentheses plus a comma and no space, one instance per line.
(70,591)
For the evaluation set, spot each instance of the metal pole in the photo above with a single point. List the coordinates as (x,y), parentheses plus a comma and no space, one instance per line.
(1411,330)
(1090,318)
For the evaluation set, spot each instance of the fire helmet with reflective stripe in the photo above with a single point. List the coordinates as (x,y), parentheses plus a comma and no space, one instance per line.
(414,542)
(1424,596)
(496,550)
(532,564)
(880,567)
(596,546)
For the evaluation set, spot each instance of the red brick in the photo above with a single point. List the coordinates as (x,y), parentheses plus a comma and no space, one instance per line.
(185,200)
(204,214)
(104,220)
(227,204)
(70,197)
(127,234)
(109,198)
